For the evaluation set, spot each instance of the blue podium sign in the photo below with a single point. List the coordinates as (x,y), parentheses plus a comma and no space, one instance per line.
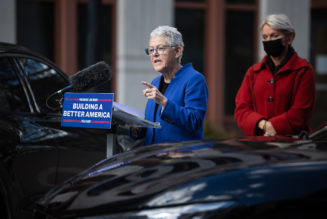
(87,110)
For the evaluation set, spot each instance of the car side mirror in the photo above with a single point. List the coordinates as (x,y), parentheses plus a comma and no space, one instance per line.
(55,101)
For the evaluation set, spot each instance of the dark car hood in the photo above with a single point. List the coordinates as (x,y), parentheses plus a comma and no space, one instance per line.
(246,170)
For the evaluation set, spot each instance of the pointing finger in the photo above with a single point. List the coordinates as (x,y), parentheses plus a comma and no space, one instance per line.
(147,84)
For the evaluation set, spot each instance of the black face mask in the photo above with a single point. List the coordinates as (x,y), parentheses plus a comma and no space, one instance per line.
(273,47)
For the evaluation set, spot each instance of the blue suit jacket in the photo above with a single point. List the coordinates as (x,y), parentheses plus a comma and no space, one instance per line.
(183,116)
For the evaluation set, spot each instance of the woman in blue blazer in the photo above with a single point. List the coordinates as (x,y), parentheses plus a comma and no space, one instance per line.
(178,98)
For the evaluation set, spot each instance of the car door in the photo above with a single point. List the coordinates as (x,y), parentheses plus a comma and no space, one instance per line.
(28,158)
(35,150)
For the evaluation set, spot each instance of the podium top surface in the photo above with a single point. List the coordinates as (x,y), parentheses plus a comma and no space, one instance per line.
(129,116)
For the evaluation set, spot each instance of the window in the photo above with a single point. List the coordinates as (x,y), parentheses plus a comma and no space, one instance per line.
(190,0)
(12,96)
(319,62)
(43,79)
(250,2)
(105,35)
(239,53)
(35,26)
(193,35)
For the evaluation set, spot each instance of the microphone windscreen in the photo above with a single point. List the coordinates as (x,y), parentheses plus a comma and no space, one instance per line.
(91,76)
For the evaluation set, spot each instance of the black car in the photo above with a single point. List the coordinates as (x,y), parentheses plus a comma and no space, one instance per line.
(36,153)
(250,177)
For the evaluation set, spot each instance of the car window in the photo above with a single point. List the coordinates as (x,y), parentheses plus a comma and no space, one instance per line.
(44,80)
(12,95)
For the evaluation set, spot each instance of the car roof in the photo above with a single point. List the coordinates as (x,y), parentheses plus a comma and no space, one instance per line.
(9,47)
(14,49)
(18,49)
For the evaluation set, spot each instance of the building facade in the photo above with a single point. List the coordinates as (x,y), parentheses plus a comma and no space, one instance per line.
(221,38)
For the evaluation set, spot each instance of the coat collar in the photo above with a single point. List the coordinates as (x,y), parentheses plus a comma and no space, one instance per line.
(293,64)
(178,74)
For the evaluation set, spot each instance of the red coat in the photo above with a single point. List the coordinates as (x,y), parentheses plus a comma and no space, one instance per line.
(286,99)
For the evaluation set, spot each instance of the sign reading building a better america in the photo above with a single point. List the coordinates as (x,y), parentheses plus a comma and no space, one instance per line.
(87,110)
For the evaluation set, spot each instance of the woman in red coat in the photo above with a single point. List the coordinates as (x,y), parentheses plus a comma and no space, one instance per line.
(277,95)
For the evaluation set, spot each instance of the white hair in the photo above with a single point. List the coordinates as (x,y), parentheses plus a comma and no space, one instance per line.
(279,22)
(172,35)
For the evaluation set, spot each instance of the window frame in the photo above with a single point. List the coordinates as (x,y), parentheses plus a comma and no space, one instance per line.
(11,58)
(23,78)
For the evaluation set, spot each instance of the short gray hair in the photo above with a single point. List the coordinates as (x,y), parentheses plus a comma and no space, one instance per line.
(172,35)
(279,22)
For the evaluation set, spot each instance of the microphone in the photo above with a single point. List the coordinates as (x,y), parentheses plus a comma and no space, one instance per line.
(92,76)
(91,79)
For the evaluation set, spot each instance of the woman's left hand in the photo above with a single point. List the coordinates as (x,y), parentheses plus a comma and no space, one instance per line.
(154,94)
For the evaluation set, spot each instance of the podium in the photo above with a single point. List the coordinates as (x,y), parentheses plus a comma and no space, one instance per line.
(123,118)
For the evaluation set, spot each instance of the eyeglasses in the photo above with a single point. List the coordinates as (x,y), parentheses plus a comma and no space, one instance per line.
(160,50)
